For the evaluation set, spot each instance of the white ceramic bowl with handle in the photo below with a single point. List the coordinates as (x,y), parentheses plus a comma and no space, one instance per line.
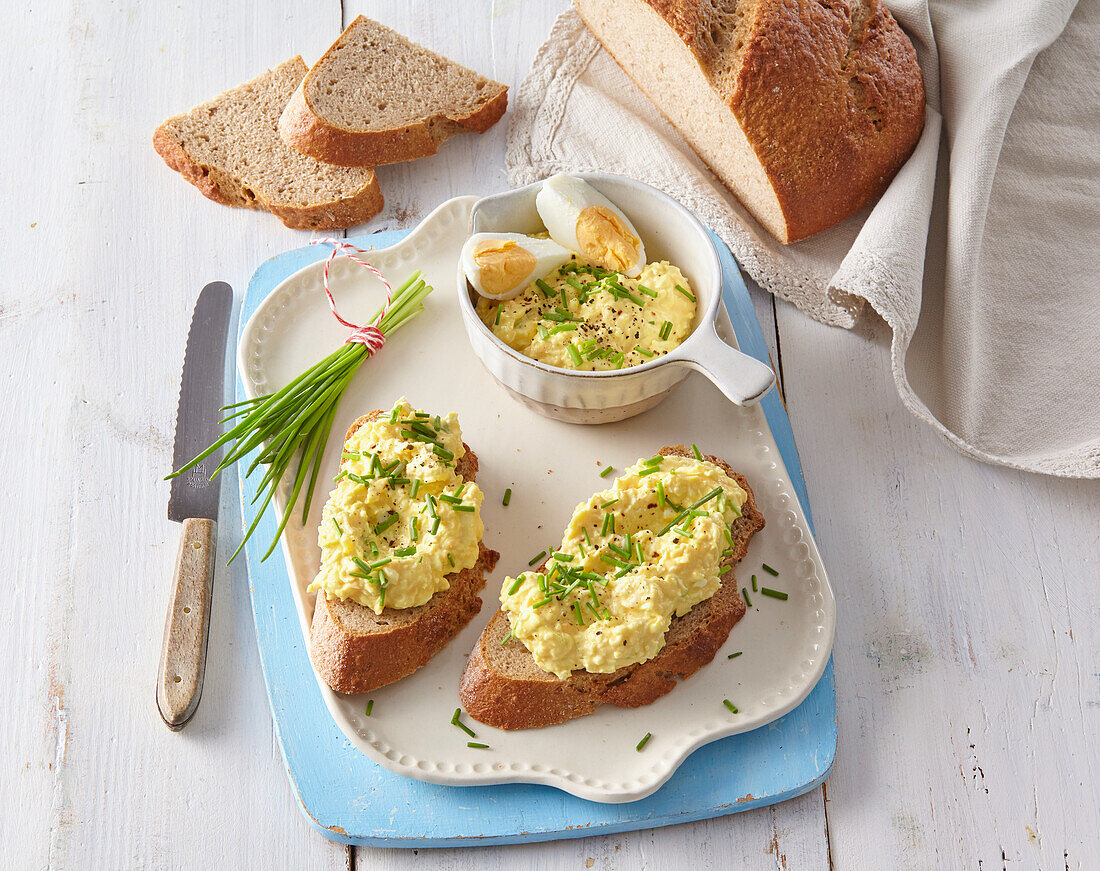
(670,232)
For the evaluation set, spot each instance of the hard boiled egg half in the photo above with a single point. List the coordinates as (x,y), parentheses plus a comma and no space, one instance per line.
(582,219)
(501,265)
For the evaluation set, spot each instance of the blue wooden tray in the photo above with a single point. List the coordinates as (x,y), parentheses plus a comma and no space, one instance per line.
(350,799)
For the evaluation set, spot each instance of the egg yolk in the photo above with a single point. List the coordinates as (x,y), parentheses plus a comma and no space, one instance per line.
(503,265)
(605,240)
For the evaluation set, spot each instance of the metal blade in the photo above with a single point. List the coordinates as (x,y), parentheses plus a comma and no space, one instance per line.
(197,426)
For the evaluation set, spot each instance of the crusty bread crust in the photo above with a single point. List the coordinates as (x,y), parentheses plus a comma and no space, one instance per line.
(829,96)
(496,692)
(355,651)
(304,128)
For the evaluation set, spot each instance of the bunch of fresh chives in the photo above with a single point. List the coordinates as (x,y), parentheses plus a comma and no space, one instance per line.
(299,417)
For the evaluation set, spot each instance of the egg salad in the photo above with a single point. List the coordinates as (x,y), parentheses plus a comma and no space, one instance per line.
(400,518)
(647,549)
(582,316)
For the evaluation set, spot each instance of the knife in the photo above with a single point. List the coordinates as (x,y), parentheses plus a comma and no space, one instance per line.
(194,503)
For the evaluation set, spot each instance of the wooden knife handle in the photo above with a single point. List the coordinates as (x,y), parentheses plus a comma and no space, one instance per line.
(183,656)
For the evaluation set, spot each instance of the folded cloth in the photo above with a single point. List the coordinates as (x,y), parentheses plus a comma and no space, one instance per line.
(982,253)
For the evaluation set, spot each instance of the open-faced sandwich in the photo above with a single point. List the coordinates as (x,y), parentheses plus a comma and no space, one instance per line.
(640,595)
(402,561)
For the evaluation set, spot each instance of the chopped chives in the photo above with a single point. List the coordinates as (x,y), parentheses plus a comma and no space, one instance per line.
(452,500)
(466,508)
(730,705)
(506,638)
(507,496)
(415,488)
(455,721)
(609,504)
(769,570)
(574,355)
(643,289)
(655,460)
(542,602)
(666,330)
(729,537)
(586,538)
(405,551)
(393,415)
(562,557)
(435,525)
(370,707)
(562,328)
(641,744)
(477,746)
(695,451)
(577,611)
(496,321)
(608,523)
(661,501)
(442,452)
(414,533)
(754,589)
(451,560)
(775,594)
(542,331)
(537,557)
(643,351)
(686,293)
(745,596)
(336,523)
(735,655)
(648,471)
(544,287)
(607,471)
(387,523)
(564,300)
(516,585)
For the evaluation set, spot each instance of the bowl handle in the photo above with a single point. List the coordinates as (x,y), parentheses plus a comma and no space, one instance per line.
(742,378)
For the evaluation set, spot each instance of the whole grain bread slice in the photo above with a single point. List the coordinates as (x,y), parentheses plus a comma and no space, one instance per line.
(502,686)
(375,97)
(230,149)
(355,650)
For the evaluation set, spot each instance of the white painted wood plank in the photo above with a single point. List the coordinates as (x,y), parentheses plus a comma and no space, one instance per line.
(107,253)
(967,652)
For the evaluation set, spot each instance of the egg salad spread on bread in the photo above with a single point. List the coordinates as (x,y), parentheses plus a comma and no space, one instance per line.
(634,556)
(400,519)
(581,316)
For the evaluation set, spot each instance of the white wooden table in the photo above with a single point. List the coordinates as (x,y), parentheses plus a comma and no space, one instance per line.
(967,653)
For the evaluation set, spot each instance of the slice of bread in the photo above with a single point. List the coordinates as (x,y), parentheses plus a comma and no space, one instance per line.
(502,685)
(375,97)
(355,650)
(805,110)
(230,149)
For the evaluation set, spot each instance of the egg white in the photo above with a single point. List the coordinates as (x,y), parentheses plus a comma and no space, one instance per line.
(548,254)
(560,201)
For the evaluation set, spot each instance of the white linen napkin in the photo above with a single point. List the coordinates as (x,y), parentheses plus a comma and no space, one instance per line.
(989,279)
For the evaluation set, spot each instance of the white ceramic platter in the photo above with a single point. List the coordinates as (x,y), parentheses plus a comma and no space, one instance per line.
(550,466)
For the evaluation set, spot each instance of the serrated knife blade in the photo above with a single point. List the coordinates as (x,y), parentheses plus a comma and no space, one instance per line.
(193,494)
(194,503)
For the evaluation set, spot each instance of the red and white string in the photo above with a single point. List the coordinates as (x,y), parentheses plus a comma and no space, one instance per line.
(367,334)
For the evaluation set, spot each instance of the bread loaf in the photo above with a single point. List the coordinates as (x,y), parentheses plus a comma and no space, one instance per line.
(804,109)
